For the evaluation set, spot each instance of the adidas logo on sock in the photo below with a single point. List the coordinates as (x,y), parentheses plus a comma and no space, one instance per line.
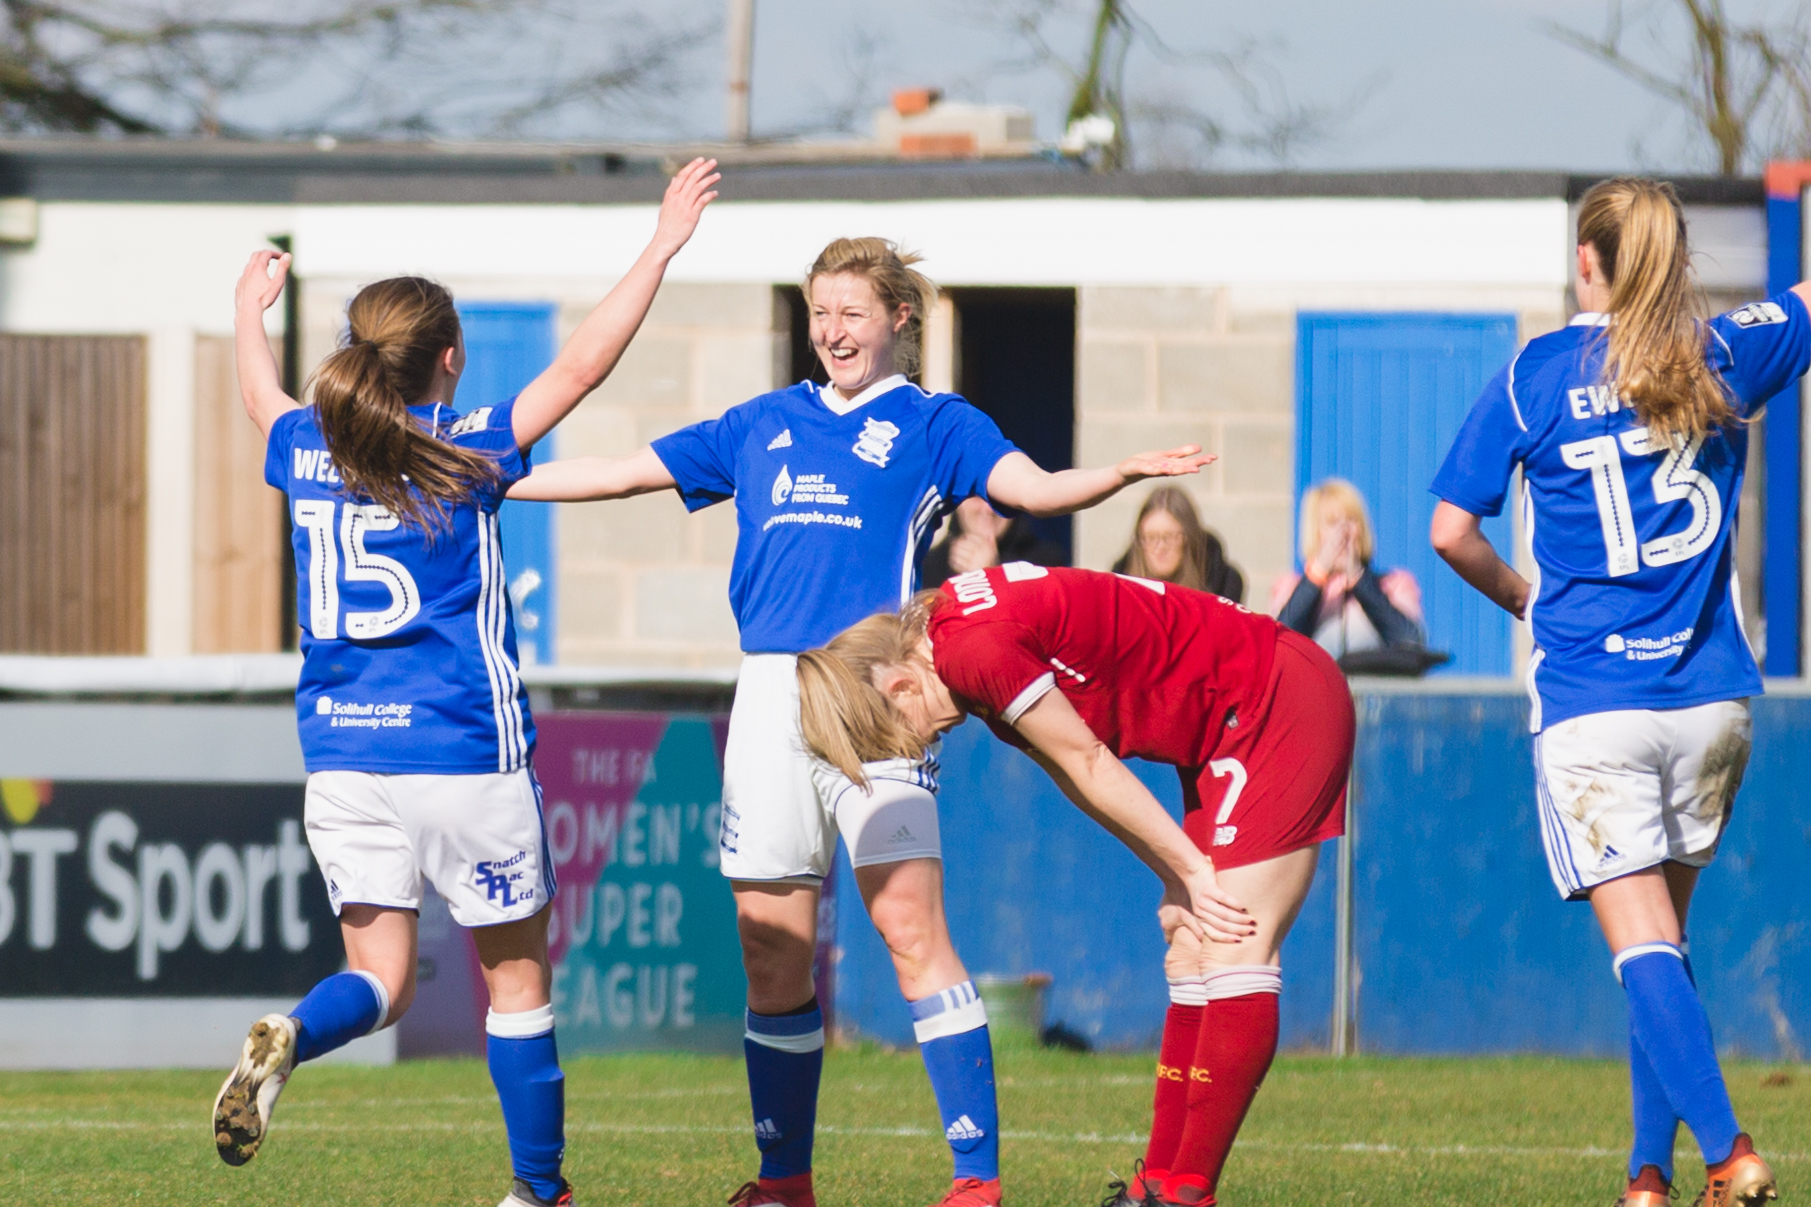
(783,440)
(901,835)
(765,1130)
(963,1129)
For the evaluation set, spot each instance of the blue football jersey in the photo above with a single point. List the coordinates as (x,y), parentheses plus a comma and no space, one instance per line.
(409,649)
(1634,603)
(834,512)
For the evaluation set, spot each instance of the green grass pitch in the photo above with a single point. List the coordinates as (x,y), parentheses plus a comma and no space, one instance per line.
(673,1130)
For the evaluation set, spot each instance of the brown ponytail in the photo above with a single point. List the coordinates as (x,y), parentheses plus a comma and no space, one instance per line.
(895,282)
(397,331)
(1655,357)
(845,719)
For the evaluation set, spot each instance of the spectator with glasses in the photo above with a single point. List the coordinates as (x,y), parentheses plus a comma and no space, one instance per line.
(1170,545)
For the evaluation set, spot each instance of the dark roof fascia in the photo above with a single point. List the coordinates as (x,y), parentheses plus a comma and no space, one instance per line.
(597,174)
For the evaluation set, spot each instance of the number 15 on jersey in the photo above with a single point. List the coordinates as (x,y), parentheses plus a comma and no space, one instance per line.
(316,517)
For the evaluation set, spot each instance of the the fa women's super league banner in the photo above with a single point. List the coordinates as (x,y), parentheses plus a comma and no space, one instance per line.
(644,926)
(123,890)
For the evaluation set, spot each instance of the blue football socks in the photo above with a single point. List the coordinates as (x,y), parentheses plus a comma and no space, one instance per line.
(1669,1024)
(1656,1127)
(338,1010)
(525,1068)
(785,1055)
(958,1054)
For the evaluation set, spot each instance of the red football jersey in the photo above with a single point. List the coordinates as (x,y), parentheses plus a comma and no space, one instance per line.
(1157,671)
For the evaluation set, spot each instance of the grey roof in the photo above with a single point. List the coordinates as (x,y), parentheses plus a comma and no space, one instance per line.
(416,173)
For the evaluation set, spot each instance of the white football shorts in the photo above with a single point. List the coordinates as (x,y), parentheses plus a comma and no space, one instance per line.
(1632,789)
(478,839)
(783,809)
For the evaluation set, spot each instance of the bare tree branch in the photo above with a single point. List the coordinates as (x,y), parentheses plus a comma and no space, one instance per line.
(1743,87)
(376,68)
(1255,115)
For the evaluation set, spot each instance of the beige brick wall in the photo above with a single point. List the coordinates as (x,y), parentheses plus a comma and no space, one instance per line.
(1162,367)
(641,582)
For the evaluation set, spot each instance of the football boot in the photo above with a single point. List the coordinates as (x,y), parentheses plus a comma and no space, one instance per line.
(781,1192)
(1647,1189)
(1141,1191)
(523,1195)
(243,1107)
(1185,1190)
(971,1192)
(1741,1179)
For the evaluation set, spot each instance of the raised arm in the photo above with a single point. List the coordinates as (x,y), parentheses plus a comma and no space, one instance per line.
(1106,790)
(1458,538)
(260,381)
(581,479)
(598,344)
(1018,482)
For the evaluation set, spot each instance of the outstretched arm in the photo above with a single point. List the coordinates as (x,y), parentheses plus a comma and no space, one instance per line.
(1018,482)
(260,381)
(600,340)
(1458,537)
(1106,790)
(581,479)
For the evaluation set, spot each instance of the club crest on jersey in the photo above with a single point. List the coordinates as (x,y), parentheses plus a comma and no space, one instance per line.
(875,444)
(1758,314)
(782,488)
(783,440)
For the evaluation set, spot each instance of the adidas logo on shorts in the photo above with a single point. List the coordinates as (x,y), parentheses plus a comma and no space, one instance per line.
(901,835)
(765,1130)
(963,1129)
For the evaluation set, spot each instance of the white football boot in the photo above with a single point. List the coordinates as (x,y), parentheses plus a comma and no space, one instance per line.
(242,1111)
(523,1195)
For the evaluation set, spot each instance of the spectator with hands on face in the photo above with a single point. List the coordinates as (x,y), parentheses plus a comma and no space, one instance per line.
(1339,599)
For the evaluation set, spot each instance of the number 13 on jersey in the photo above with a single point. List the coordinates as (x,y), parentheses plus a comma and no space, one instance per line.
(316,517)
(1673,481)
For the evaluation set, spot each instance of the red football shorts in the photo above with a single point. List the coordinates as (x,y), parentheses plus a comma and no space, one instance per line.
(1277,781)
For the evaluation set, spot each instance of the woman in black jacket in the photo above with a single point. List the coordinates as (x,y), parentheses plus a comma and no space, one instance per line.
(1339,599)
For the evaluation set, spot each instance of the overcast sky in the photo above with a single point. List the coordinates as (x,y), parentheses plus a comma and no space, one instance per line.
(1439,83)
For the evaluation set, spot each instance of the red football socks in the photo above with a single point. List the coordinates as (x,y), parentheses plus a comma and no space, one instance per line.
(1238,1040)
(1181,1034)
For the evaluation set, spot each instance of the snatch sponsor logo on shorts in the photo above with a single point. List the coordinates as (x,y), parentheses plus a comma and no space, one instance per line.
(344,714)
(506,881)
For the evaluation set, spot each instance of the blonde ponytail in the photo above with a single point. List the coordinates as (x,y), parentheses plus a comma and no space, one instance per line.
(845,719)
(1656,354)
(895,282)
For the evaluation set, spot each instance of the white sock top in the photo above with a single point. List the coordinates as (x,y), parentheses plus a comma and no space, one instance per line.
(520,1024)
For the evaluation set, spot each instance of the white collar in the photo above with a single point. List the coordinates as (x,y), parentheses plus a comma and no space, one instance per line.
(1589,318)
(835,401)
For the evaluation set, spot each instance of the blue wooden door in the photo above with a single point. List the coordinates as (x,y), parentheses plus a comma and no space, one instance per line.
(1379,398)
(507,344)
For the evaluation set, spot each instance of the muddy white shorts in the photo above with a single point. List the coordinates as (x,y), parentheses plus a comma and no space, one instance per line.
(478,839)
(782,809)
(1622,791)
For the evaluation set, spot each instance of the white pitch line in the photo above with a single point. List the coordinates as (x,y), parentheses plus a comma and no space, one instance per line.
(1355,1148)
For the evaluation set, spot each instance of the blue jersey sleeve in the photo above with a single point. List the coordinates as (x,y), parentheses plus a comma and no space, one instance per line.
(1493,438)
(491,430)
(1761,348)
(965,447)
(276,448)
(702,457)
